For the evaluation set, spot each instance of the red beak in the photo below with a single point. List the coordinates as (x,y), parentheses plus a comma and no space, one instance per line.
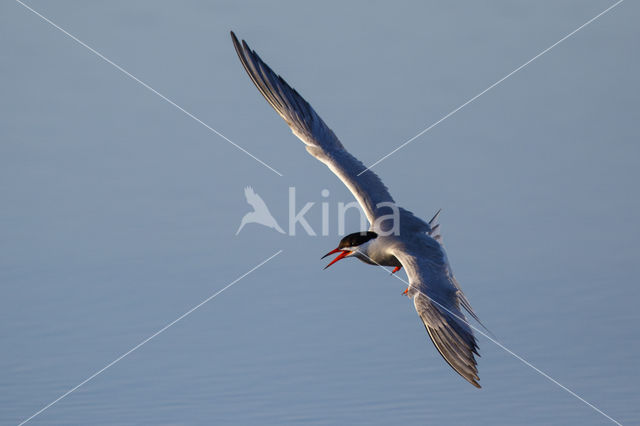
(343,254)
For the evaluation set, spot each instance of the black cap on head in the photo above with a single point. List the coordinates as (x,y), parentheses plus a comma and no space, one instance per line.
(356,239)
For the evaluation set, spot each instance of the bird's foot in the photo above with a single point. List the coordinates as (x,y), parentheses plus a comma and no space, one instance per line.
(406,292)
(396,269)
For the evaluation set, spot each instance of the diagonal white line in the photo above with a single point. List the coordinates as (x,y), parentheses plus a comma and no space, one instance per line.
(115,361)
(145,85)
(492,86)
(506,349)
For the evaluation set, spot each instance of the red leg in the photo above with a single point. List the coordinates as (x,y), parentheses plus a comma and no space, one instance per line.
(396,269)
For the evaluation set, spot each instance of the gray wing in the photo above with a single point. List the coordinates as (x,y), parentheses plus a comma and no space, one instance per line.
(435,232)
(437,299)
(321,142)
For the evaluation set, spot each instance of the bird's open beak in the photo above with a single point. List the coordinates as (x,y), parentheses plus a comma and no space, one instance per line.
(343,254)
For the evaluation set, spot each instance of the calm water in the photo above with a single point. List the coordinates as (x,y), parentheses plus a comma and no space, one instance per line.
(119,212)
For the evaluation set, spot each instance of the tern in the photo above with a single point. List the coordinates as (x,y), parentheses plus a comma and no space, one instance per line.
(414,244)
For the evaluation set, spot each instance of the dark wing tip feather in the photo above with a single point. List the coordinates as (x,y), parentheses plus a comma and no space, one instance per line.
(453,340)
(292,107)
(236,43)
(466,371)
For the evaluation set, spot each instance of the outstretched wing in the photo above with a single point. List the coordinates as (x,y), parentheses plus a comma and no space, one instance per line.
(321,142)
(437,299)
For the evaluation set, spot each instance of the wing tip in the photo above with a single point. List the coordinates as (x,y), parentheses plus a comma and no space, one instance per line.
(241,47)
(237,46)
(234,38)
(471,375)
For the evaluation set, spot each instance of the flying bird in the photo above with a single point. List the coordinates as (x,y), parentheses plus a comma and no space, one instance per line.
(260,213)
(414,244)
